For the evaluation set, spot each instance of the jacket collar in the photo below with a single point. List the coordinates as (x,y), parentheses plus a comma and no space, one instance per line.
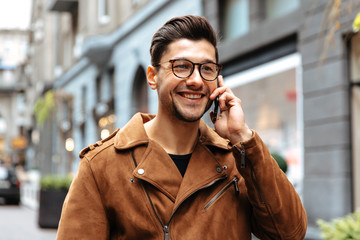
(134,134)
(155,166)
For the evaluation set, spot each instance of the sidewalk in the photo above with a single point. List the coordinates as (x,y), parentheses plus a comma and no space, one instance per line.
(20,222)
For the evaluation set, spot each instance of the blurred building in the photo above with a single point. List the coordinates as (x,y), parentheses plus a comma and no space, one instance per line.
(295,64)
(13,137)
(59,30)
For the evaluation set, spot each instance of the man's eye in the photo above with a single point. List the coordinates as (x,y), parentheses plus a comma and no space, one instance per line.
(183,66)
(208,68)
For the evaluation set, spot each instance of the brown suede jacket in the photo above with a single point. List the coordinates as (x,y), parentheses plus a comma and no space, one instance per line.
(127,187)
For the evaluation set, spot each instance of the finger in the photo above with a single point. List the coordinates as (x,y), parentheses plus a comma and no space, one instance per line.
(228,100)
(221,81)
(222,84)
(223,101)
(217,92)
(214,94)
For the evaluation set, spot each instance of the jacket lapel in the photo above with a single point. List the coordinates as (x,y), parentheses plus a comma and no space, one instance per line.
(157,168)
(203,170)
(153,164)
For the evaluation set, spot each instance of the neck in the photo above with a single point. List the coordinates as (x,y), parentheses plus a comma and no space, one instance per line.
(174,135)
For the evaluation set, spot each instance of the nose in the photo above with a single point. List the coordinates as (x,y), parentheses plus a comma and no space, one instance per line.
(195,80)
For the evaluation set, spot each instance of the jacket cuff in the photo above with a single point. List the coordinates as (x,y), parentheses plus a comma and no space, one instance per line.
(243,150)
(247,144)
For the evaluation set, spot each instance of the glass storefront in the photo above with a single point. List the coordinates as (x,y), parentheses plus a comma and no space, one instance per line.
(272,101)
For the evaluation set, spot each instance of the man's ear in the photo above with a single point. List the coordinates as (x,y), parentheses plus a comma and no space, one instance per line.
(152,77)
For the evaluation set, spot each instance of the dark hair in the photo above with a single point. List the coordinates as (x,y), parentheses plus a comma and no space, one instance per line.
(189,27)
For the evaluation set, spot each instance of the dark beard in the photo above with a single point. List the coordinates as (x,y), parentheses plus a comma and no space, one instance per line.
(173,109)
(182,118)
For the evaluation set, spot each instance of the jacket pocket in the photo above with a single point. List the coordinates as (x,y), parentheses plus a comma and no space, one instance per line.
(234,182)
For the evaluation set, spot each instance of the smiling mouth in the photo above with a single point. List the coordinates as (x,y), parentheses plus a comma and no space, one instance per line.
(191,96)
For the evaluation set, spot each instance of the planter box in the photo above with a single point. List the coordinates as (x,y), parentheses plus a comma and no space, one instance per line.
(50,206)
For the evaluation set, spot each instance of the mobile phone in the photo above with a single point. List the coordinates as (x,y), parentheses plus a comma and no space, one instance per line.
(216,104)
(216,107)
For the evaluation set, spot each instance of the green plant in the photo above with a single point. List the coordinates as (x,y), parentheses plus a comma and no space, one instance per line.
(347,227)
(55,182)
(356,23)
(280,161)
(43,106)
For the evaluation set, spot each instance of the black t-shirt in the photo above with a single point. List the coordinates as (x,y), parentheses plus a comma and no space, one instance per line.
(181,161)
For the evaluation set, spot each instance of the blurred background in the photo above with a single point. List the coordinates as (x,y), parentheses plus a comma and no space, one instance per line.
(72,71)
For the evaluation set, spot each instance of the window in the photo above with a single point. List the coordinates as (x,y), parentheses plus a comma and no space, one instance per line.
(272,102)
(103,11)
(105,86)
(104,109)
(234,18)
(278,8)
(140,92)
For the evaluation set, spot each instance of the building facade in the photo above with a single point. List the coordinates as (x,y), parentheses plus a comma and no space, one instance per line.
(295,65)
(301,50)
(13,137)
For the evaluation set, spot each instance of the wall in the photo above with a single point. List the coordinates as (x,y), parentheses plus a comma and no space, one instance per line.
(327,182)
(133,50)
(326,112)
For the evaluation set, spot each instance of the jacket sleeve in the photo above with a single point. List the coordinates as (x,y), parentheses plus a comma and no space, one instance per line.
(83,215)
(277,209)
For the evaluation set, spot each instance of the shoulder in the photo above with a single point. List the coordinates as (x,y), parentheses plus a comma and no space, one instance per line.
(91,150)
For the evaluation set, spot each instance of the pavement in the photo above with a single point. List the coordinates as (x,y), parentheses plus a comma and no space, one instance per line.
(20,222)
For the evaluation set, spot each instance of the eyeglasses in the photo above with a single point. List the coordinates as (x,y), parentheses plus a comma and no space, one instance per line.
(183,68)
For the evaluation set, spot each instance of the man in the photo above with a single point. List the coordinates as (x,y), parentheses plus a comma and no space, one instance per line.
(170,176)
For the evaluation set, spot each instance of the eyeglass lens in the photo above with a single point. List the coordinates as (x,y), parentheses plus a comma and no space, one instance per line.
(183,68)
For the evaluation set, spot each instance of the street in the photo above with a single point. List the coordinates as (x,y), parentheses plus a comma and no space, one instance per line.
(20,222)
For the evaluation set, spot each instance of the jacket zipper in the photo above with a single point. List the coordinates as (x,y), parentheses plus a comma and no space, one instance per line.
(166,227)
(242,165)
(234,181)
(242,155)
(166,231)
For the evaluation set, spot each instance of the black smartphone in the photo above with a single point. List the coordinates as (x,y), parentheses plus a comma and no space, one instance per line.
(216,104)
(216,107)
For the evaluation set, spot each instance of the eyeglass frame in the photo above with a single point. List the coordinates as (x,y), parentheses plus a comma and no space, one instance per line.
(219,67)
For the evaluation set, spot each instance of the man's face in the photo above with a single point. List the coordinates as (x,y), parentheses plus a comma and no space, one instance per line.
(185,98)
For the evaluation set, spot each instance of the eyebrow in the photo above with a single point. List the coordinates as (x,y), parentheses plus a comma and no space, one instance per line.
(182,58)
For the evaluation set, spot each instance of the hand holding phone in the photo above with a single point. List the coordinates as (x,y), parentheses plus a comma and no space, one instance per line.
(231,123)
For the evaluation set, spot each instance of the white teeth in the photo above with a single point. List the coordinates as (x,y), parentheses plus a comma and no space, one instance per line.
(192,96)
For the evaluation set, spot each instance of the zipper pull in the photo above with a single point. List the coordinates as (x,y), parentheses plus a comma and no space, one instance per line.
(166,231)
(236,185)
(242,156)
